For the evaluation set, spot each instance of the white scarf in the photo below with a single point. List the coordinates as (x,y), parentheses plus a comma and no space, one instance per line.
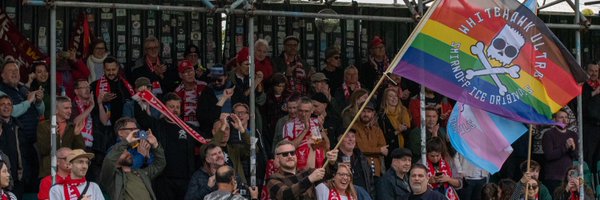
(91,63)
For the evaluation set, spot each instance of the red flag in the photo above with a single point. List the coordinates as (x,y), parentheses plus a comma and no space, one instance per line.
(81,36)
(15,45)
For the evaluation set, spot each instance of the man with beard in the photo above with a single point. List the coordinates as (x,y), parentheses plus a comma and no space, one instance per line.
(370,139)
(179,149)
(394,183)
(350,154)
(377,63)
(68,134)
(121,180)
(419,182)
(228,186)
(288,183)
(291,107)
(112,90)
(213,100)
(234,154)
(559,144)
(203,181)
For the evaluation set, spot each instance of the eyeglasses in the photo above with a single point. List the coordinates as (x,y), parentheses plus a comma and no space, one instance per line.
(152,48)
(100,48)
(241,113)
(344,175)
(336,57)
(287,153)
(61,158)
(128,129)
(84,87)
(533,187)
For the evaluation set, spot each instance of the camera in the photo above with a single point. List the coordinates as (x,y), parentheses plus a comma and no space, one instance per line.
(230,120)
(142,135)
(243,188)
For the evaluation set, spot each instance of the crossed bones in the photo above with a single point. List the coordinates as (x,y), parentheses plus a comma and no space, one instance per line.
(513,71)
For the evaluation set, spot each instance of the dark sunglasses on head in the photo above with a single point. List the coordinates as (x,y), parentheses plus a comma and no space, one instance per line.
(287,153)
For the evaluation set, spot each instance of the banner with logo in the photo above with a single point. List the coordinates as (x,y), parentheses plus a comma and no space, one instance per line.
(494,55)
(16,46)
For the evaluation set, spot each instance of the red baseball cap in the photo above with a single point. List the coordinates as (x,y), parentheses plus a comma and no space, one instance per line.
(184,65)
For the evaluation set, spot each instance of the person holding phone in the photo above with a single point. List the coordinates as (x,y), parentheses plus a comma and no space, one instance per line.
(440,172)
(570,186)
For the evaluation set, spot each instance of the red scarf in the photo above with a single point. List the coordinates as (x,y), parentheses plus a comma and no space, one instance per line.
(594,84)
(444,168)
(70,187)
(86,132)
(158,105)
(574,196)
(334,195)
(303,150)
(151,66)
(347,91)
(189,101)
(4,196)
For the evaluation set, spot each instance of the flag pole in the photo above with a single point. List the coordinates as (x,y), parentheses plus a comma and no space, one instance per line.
(403,50)
(528,156)
(579,106)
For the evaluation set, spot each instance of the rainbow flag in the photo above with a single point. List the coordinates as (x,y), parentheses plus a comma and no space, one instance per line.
(481,137)
(494,55)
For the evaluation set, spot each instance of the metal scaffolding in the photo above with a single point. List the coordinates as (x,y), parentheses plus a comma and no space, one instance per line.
(249,11)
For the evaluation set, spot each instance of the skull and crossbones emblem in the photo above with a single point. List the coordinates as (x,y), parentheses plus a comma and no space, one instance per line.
(504,48)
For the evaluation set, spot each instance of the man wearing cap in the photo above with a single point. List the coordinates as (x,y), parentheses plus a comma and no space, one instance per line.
(141,84)
(215,99)
(192,54)
(320,84)
(68,134)
(370,139)
(394,183)
(290,58)
(190,91)
(378,62)
(121,180)
(351,154)
(164,79)
(333,67)
(241,81)
(76,186)
(332,123)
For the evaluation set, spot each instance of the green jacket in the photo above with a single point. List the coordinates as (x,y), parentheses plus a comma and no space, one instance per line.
(237,152)
(414,138)
(113,179)
(69,139)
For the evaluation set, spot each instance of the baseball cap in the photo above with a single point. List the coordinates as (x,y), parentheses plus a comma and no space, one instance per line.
(184,65)
(318,77)
(320,97)
(291,37)
(142,81)
(216,71)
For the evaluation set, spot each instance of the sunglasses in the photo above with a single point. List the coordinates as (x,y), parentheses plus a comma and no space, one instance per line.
(287,153)
(533,187)
(336,57)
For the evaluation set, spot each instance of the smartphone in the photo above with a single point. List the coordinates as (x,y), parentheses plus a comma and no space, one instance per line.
(439,174)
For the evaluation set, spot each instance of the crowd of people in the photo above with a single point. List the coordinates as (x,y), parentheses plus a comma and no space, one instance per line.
(113,143)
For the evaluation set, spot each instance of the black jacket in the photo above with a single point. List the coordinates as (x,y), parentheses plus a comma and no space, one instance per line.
(390,186)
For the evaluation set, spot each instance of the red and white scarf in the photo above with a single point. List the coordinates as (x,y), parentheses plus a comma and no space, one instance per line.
(293,130)
(158,105)
(334,195)
(444,168)
(189,101)
(594,84)
(347,91)
(70,187)
(156,88)
(87,131)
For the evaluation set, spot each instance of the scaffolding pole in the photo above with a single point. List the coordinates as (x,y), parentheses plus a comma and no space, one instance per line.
(579,106)
(53,93)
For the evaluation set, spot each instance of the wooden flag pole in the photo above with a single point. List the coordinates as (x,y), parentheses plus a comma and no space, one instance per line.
(528,158)
(410,39)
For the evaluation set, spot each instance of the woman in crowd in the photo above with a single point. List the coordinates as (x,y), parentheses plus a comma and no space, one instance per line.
(569,189)
(339,187)
(491,191)
(394,120)
(39,79)
(440,169)
(273,109)
(95,61)
(357,98)
(5,182)
(532,190)
(507,187)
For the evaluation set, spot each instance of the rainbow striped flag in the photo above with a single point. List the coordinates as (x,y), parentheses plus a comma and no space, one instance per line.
(481,137)
(493,55)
